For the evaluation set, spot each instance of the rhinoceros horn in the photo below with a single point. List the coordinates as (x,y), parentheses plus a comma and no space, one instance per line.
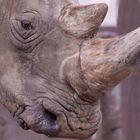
(106,62)
(82,21)
(103,63)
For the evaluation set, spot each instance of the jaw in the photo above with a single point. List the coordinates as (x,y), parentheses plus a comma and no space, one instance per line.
(81,125)
(71,119)
(77,120)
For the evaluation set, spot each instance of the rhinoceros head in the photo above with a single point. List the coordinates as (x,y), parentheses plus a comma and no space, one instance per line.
(53,70)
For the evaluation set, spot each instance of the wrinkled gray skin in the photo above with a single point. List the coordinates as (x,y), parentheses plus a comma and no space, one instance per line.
(39,58)
(30,60)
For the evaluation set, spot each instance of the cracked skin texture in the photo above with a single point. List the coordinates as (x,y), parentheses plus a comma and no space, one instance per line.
(47,80)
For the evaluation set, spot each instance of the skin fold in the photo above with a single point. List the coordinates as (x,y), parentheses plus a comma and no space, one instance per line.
(53,68)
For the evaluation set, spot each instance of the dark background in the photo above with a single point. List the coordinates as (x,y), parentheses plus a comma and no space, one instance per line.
(129,19)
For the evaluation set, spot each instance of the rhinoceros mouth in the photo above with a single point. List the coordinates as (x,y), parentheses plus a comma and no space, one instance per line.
(39,120)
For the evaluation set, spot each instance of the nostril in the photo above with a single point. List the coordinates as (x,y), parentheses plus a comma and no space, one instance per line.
(52,128)
(51,116)
(41,120)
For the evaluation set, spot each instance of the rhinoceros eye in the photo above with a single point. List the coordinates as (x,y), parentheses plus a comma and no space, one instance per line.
(27,25)
(27,21)
(26,30)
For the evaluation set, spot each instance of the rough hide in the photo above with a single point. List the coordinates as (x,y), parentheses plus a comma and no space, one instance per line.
(54,69)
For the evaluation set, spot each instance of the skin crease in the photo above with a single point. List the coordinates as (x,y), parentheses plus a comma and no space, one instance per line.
(46,78)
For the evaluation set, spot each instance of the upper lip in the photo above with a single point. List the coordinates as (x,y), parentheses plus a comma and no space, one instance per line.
(41,120)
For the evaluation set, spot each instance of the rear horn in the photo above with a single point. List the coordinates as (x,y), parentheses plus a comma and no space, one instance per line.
(81,21)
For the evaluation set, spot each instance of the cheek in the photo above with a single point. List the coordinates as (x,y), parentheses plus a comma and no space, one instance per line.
(11,82)
(9,75)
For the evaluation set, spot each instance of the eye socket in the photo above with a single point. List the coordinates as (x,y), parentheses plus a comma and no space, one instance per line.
(26,25)
(25,32)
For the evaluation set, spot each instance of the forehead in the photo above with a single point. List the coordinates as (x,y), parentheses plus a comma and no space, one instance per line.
(41,6)
(23,5)
(10,8)
(44,3)
(46,8)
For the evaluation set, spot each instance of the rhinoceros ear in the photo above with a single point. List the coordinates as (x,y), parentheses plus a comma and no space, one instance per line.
(82,21)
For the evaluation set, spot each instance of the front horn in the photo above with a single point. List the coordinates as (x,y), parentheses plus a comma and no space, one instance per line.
(106,62)
(101,64)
